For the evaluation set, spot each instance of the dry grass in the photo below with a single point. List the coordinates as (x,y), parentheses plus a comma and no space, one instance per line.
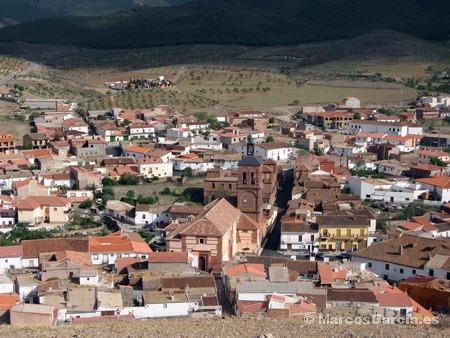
(156,187)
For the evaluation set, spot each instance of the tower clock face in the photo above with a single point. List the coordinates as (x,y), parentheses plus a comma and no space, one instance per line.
(244,200)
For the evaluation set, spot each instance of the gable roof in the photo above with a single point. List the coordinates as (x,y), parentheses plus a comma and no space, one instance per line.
(251,161)
(440,181)
(192,282)
(119,242)
(11,251)
(406,250)
(32,248)
(8,300)
(34,202)
(169,257)
(272,145)
(216,219)
(393,300)
(236,270)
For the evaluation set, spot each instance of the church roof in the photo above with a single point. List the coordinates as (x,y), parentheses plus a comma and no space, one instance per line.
(250,161)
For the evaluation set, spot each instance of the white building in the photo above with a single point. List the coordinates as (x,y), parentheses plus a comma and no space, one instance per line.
(151,214)
(390,128)
(179,133)
(141,130)
(398,258)
(299,235)
(10,256)
(439,186)
(278,151)
(154,167)
(105,250)
(6,284)
(384,190)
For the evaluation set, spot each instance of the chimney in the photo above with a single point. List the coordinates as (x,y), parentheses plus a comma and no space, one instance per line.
(400,250)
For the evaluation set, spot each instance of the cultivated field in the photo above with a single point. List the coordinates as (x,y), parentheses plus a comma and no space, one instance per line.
(221,78)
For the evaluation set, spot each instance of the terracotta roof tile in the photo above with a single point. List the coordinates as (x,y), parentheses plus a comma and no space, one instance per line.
(236,270)
(11,251)
(32,248)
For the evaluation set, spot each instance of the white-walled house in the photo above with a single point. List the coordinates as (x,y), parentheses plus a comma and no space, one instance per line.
(344,149)
(179,133)
(437,185)
(6,284)
(384,190)
(398,258)
(201,165)
(154,167)
(106,249)
(151,214)
(390,128)
(298,235)
(278,151)
(10,256)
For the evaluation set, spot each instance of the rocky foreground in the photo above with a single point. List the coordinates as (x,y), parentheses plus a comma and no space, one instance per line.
(227,327)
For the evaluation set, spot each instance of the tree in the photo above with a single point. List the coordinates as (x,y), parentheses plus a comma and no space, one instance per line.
(270,139)
(318,151)
(129,179)
(188,172)
(438,161)
(272,120)
(166,191)
(356,116)
(87,204)
(201,116)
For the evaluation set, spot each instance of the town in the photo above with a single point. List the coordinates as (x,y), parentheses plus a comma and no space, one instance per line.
(154,213)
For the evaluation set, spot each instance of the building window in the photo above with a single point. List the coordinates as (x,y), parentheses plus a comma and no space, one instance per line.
(95,257)
(202,241)
(369,265)
(401,270)
(413,272)
(54,209)
(6,261)
(386,266)
(300,238)
(431,273)
(368,195)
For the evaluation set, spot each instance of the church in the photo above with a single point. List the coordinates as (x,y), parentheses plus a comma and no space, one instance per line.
(232,224)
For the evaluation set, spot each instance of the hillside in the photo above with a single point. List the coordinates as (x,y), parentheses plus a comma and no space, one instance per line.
(247,22)
(240,327)
(15,11)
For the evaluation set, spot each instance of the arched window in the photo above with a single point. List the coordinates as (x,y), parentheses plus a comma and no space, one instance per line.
(244,178)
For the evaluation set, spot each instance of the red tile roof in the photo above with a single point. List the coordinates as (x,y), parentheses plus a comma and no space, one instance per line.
(32,248)
(123,262)
(441,181)
(426,223)
(393,300)
(11,251)
(328,275)
(119,242)
(8,300)
(257,269)
(33,202)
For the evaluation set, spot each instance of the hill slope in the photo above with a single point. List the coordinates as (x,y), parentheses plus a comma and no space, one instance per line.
(14,11)
(248,22)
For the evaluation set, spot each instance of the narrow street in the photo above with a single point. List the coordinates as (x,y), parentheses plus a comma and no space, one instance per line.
(283,197)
